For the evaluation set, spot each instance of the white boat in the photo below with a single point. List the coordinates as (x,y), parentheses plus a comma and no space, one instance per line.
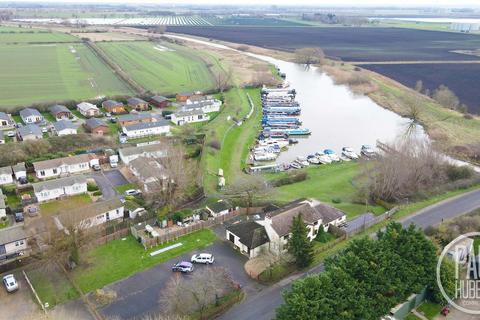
(313,160)
(269,141)
(368,151)
(301,158)
(332,155)
(265,156)
(349,153)
(323,158)
(295,165)
(343,158)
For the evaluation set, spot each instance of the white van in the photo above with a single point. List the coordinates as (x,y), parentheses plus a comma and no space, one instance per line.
(205,258)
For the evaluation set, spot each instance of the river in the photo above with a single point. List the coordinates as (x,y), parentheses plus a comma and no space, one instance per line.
(336,117)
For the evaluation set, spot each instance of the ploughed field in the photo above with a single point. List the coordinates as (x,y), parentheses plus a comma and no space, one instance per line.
(163,68)
(463,79)
(349,44)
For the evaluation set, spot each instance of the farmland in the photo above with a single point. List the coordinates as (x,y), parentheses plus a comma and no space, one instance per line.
(164,69)
(12,35)
(349,44)
(433,75)
(53,72)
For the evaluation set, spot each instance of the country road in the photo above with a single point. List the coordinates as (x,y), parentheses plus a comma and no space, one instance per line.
(261,306)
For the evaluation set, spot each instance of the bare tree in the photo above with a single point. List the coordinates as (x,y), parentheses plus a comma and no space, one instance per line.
(187,295)
(446,97)
(223,79)
(248,189)
(309,56)
(419,86)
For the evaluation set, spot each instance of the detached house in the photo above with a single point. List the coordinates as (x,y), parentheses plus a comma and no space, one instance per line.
(6,175)
(88,110)
(146,129)
(60,112)
(137,104)
(159,101)
(29,132)
(189,116)
(249,237)
(278,223)
(62,166)
(96,126)
(113,106)
(149,172)
(13,243)
(59,188)
(6,121)
(129,154)
(91,215)
(64,127)
(30,116)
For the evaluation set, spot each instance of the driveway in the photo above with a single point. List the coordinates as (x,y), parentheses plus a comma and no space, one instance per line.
(107,181)
(139,294)
(19,304)
(358,222)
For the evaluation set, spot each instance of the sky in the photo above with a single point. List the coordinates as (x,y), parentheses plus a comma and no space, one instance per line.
(403,3)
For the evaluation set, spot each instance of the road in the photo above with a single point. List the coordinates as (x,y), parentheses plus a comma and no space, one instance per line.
(262,305)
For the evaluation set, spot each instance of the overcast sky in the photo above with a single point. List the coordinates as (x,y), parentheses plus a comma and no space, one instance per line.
(456,3)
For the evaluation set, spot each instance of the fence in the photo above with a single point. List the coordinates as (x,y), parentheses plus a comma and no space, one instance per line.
(370,223)
(149,242)
(34,292)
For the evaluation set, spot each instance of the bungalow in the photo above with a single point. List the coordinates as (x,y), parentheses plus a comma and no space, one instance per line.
(60,112)
(184,96)
(129,154)
(6,175)
(207,105)
(6,121)
(30,116)
(159,101)
(61,166)
(149,172)
(64,127)
(96,126)
(140,130)
(189,116)
(113,106)
(249,237)
(134,118)
(2,137)
(91,215)
(59,188)
(29,132)
(88,110)
(3,206)
(20,171)
(219,208)
(278,224)
(13,243)
(138,104)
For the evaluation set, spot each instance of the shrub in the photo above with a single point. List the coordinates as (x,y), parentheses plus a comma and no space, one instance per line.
(337,200)
(292,177)
(468,116)
(97,193)
(9,189)
(91,187)
(215,144)
(458,173)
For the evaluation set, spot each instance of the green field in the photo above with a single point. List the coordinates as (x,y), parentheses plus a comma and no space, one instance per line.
(165,72)
(14,37)
(53,72)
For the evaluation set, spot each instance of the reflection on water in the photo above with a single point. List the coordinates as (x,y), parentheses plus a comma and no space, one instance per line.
(335,116)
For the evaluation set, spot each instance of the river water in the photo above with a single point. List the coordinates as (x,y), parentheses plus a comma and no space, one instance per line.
(336,117)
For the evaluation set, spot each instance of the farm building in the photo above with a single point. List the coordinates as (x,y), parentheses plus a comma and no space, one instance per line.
(189,116)
(88,110)
(19,171)
(159,101)
(91,215)
(60,112)
(13,243)
(29,132)
(30,116)
(96,126)
(6,175)
(59,188)
(113,106)
(140,130)
(134,118)
(64,127)
(138,104)
(6,121)
(129,154)
(149,172)
(61,166)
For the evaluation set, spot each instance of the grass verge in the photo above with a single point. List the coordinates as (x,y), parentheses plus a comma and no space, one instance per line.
(429,309)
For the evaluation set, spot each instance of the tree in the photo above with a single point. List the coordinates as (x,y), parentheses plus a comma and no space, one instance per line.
(248,189)
(309,56)
(446,97)
(223,79)
(161,29)
(419,86)
(298,244)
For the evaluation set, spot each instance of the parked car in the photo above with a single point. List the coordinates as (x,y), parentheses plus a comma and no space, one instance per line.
(183,266)
(19,217)
(10,283)
(205,258)
(11,134)
(22,180)
(113,120)
(44,129)
(96,167)
(133,192)
(108,114)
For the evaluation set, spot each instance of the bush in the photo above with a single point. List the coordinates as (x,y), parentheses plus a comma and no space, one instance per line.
(455,173)
(9,189)
(292,177)
(215,144)
(468,116)
(337,200)
(97,193)
(91,187)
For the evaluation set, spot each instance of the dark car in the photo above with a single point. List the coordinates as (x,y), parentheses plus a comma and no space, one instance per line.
(183,266)
(19,217)
(22,180)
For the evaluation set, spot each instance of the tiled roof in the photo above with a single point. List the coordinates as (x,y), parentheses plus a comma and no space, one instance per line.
(55,163)
(58,183)
(250,233)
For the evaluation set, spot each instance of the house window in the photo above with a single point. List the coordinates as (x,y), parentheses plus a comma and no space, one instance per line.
(55,171)
(42,173)
(286,237)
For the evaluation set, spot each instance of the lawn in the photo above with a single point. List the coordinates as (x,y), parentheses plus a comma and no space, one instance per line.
(54,207)
(411,316)
(164,71)
(53,72)
(119,259)
(124,187)
(429,310)
(332,184)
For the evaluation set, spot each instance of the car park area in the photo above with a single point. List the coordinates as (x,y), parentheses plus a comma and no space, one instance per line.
(20,303)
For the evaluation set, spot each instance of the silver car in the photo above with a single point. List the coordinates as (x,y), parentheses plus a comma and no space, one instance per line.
(10,283)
